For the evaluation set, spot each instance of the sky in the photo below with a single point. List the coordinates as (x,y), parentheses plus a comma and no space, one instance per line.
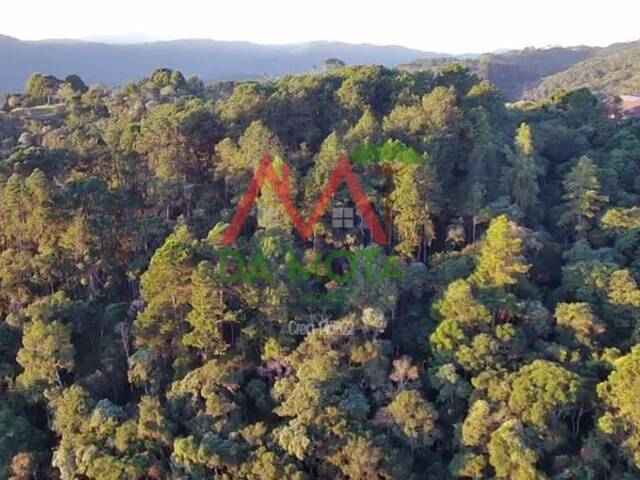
(452,26)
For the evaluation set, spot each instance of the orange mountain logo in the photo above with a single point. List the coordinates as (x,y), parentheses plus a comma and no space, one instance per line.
(281,185)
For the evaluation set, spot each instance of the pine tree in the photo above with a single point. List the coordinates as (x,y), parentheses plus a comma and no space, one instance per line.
(582,197)
(510,454)
(14,212)
(576,323)
(521,176)
(414,418)
(256,141)
(237,161)
(208,312)
(166,290)
(543,392)
(41,222)
(410,215)
(271,212)
(500,261)
(331,150)
(483,167)
(46,352)
(619,421)
(367,131)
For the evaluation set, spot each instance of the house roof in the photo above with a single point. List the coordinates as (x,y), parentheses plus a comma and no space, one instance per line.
(630,106)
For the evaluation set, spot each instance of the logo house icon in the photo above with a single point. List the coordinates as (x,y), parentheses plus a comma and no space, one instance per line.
(343,172)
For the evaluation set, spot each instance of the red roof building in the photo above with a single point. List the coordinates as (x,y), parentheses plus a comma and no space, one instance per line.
(624,106)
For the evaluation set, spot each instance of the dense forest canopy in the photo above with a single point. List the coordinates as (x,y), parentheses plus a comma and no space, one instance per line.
(615,74)
(515,71)
(537,73)
(506,344)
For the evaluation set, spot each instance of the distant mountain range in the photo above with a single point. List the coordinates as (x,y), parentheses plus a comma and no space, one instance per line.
(111,64)
(529,73)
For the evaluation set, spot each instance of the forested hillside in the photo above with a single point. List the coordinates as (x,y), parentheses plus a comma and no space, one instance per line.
(515,71)
(497,335)
(617,73)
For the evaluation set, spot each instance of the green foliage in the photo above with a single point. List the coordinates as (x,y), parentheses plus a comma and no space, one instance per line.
(41,88)
(621,219)
(523,171)
(543,392)
(165,287)
(132,348)
(46,352)
(500,261)
(619,419)
(208,311)
(510,455)
(582,196)
(414,418)
(578,324)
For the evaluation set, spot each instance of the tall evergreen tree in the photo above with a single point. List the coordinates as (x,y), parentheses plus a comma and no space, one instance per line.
(582,197)
(208,312)
(523,171)
(500,261)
